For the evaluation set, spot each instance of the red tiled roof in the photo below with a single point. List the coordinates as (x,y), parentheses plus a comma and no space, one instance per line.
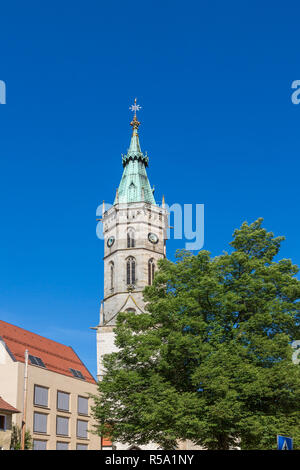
(4,406)
(56,356)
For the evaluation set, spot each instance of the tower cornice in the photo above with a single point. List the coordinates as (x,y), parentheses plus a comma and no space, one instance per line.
(136,248)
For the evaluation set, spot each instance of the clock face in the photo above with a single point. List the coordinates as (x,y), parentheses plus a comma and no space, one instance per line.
(152,237)
(110,241)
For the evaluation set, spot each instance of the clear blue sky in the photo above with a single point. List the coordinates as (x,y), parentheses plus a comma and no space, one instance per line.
(214,80)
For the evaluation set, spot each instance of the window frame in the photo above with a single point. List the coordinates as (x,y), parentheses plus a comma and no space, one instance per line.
(68,420)
(131,271)
(112,275)
(34,430)
(62,409)
(78,412)
(62,442)
(87,432)
(4,421)
(39,440)
(151,271)
(36,361)
(82,444)
(76,374)
(38,404)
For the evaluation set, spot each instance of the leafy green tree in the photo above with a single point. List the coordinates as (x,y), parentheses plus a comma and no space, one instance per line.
(211,359)
(16,439)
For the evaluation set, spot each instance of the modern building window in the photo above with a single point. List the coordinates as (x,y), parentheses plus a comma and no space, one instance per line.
(82,429)
(77,374)
(36,361)
(39,445)
(83,406)
(130,238)
(2,422)
(63,401)
(62,426)
(130,270)
(81,447)
(151,269)
(62,446)
(40,422)
(41,395)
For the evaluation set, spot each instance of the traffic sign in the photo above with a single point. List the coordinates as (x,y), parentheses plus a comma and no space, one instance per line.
(284,443)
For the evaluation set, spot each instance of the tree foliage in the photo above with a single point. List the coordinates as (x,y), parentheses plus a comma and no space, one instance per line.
(211,359)
(16,438)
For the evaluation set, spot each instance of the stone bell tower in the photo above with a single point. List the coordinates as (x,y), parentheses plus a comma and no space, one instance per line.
(135,230)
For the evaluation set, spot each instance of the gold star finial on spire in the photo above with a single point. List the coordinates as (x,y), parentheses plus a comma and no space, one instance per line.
(135,107)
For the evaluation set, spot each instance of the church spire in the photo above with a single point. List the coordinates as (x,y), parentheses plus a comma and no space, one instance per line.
(134,185)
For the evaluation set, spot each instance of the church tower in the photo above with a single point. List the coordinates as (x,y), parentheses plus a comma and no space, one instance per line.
(135,231)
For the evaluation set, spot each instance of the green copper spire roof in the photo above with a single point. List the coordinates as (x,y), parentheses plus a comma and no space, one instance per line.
(134,185)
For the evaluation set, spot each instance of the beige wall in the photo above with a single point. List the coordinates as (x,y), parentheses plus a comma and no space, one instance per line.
(11,390)
(8,377)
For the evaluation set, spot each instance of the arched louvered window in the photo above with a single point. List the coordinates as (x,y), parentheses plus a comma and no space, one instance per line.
(151,269)
(112,275)
(130,238)
(130,270)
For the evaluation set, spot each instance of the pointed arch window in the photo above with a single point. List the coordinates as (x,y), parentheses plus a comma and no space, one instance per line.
(151,270)
(130,238)
(112,275)
(130,270)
